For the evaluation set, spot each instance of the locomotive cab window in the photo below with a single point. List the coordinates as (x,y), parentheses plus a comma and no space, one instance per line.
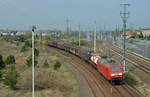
(115,69)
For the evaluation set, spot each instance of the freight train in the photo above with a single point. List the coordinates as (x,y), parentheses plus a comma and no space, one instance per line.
(112,71)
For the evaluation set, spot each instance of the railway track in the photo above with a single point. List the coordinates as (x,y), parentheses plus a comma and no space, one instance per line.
(77,67)
(137,61)
(104,87)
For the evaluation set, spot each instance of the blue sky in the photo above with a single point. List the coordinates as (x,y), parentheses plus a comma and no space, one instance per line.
(51,14)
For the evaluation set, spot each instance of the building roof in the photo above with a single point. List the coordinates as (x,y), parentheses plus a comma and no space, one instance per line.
(134,32)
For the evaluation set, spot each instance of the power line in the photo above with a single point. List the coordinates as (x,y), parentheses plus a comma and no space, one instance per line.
(124,16)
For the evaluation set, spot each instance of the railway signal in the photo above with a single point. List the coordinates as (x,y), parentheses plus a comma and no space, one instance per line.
(124,16)
(33,29)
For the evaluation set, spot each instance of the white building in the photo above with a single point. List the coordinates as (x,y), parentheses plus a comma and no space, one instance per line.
(5,33)
(146,32)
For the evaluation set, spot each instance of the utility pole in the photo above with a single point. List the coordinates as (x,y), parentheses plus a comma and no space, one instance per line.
(67,21)
(100,33)
(105,31)
(33,28)
(55,35)
(79,34)
(124,16)
(95,37)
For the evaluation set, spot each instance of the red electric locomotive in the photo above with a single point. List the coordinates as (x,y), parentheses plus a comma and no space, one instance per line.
(108,68)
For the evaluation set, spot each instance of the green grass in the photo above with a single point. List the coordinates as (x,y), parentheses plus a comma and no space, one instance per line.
(130,79)
(1,43)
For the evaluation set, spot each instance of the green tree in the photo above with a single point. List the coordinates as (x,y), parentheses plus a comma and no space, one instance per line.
(57,65)
(11,77)
(24,48)
(29,61)
(1,74)
(21,38)
(2,64)
(36,52)
(137,36)
(10,59)
(46,65)
(112,33)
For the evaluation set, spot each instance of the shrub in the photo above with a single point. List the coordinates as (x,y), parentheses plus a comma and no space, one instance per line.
(21,38)
(29,61)
(46,65)
(17,43)
(36,52)
(10,59)
(28,43)
(83,42)
(24,48)
(1,74)
(11,77)
(130,79)
(1,42)
(57,65)
(2,64)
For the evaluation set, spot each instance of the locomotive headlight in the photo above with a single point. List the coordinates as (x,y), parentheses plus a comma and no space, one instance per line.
(120,74)
(112,74)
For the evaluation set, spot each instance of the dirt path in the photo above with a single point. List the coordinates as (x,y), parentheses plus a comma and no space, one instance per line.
(83,86)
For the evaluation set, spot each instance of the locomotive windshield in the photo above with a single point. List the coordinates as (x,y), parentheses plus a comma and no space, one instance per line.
(117,68)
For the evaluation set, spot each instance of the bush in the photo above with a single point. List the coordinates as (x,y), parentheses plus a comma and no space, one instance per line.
(36,52)
(82,42)
(130,79)
(29,61)
(17,43)
(57,65)
(2,64)
(21,38)
(11,77)
(46,65)
(10,59)
(1,74)
(24,48)
(28,43)
(1,42)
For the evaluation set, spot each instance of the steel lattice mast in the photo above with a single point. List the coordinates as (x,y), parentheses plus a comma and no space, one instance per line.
(124,16)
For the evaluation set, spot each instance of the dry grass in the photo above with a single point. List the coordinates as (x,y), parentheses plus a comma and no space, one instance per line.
(50,83)
(24,83)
